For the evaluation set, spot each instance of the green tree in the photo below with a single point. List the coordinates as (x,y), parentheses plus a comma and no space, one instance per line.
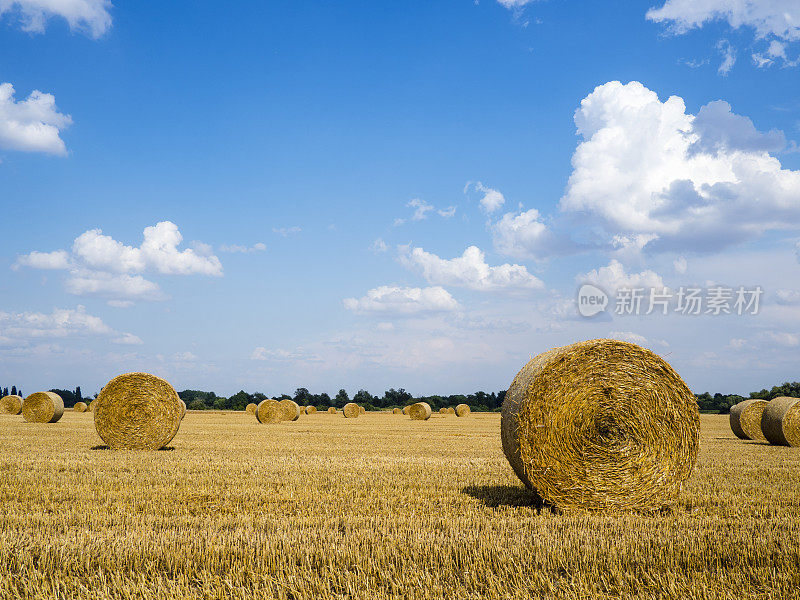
(342,398)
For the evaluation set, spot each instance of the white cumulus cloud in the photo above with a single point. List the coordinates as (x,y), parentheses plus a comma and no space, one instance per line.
(89,16)
(388,299)
(33,124)
(613,277)
(61,323)
(470,270)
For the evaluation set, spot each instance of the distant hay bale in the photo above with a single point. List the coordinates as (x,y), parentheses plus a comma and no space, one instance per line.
(780,422)
(183,408)
(80,407)
(443,411)
(291,410)
(92,405)
(137,411)
(462,410)
(601,424)
(745,419)
(42,407)
(420,411)
(11,405)
(362,410)
(351,410)
(269,411)
(332,410)
(406,408)
(310,410)
(397,411)
(251,408)
(451,410)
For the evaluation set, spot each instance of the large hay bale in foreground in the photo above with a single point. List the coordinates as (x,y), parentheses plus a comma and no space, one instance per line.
(291,410)
(80,407)
(251,408)
(406,408)
(269,411)
(310,410)
(397,411)
(780,422)
(332,410)
(137,411)
(745,419)
(10,405)
(601,424)
(351,410)
(451,410)
(462,410)
(420,411)
(42,407)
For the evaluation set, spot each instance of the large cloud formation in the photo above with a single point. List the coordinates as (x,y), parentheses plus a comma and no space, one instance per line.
(33,124)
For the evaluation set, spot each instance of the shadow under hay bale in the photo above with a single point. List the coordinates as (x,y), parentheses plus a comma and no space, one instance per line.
(494,496)
(137,411)
(601,425)
(42,407)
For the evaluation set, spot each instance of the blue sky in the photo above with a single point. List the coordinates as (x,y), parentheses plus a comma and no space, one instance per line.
(375,195)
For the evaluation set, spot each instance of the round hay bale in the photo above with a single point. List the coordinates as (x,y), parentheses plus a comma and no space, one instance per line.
(443,411)
(251,408)
(780,422)
(291,410)
(92,405)
(351,410)
(80,407)
(462,410)
(451,410)
(310,410)
(745,419)
(397,411)
(332,410)
(601,424)
(183,408)
(42,407)
(11,405)
(406,408)
(269,411)
(137,411)
(420,411)
(362,410)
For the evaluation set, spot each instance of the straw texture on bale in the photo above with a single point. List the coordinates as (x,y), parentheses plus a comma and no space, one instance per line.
(80,407)
(443,411)
(406,408)
(462,410)
(601,424)
(451,410)
(92,405)
(332,410)
(310,410)
(420,411)
(251,408)
(269,411)
(11,405)
(351,410)
(780,422)
(745,419)
(137,411)
(397,411)
(183,408)
(42,407)
(362,410)
(291,410)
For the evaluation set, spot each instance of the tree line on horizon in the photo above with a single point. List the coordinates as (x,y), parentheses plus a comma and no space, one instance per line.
(478,402)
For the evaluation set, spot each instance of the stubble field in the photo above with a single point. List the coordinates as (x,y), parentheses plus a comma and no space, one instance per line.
(372,508)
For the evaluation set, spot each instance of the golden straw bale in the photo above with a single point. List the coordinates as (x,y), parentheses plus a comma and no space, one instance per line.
(310,410)
(10,405)
(462,410)
(601,424)
(451,410)
(745,419)
(351,410)
(332,410)
(291,410)
(406,409)
(780,422)
(269,411)
(42,407)
(443,411)
(420,411)
(92,405)
(183,408)
(80,407)
(251,408)
(397,411)
(137,411)
(362,410)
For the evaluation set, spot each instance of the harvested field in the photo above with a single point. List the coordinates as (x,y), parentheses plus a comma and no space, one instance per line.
(256,511)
